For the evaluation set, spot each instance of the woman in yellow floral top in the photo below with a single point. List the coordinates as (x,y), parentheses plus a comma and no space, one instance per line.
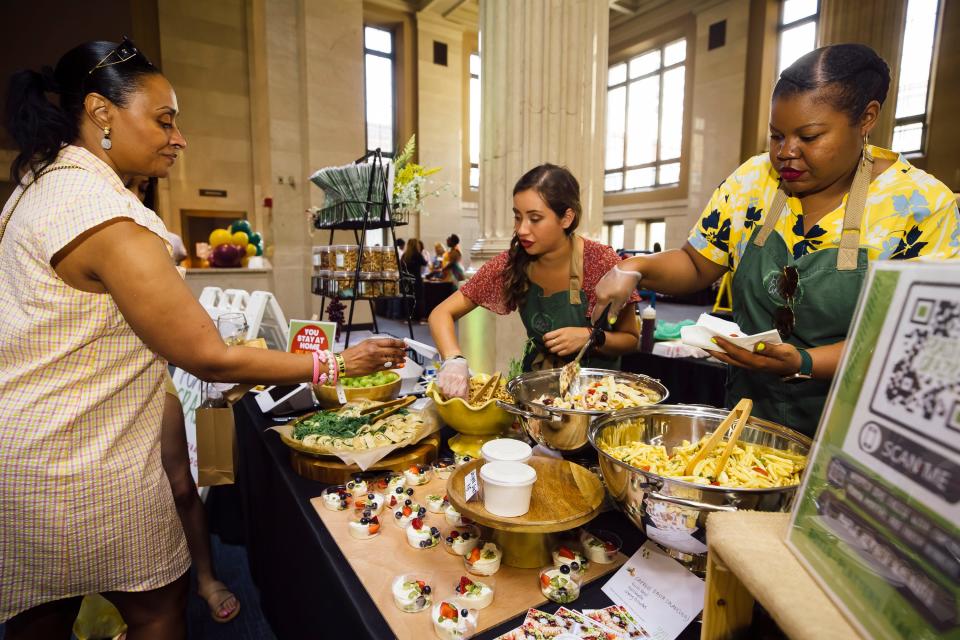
(797,228)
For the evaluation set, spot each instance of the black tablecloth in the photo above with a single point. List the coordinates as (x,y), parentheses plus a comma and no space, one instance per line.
(689,380)
(306,585)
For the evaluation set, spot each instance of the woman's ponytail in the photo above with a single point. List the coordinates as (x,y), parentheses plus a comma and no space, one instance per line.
(41,127)
(38,126)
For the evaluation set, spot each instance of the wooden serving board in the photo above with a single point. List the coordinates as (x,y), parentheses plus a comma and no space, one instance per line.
(565,496)
(379,560)
(332,470)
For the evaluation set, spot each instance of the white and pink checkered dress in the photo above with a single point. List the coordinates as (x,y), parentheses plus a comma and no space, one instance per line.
(85,505)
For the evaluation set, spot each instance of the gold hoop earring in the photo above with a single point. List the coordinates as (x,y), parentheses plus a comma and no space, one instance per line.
(106,143)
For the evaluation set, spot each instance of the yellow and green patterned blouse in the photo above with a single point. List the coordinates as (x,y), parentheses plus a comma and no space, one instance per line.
(909,213)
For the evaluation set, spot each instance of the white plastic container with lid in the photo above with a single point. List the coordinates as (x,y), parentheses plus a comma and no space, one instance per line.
(506,450)
(507,487)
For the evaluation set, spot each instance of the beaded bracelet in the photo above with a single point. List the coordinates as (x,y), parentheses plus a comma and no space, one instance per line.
(332,368)
(316,368)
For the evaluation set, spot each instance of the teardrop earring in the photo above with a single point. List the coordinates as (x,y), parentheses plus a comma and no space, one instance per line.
(106,143)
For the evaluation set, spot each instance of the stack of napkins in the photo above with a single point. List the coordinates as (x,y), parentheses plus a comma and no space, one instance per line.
(708,326)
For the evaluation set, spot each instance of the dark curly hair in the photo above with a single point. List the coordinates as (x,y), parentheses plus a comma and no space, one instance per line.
(561,191)
(849,77)
(41,127)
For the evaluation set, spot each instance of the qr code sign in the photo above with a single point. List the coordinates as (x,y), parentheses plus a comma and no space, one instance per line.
(920,384)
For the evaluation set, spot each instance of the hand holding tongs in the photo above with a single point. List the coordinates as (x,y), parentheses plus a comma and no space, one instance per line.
(571,370)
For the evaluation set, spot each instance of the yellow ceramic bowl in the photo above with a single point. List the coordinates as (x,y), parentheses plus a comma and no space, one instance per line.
(484,420)
(327,395)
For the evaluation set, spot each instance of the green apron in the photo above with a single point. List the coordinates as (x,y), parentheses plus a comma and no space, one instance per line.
(542,314)
(823,306)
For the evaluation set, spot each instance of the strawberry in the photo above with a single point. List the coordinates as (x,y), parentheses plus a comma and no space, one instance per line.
(414,469)
(563,552)
(417,523)
(609,547)
(447,611)
(465,583)
(421,584)
(545,581)
(474,555)
(407,510)
(454,534)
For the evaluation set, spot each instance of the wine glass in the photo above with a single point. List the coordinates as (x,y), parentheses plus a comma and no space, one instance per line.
(233,328)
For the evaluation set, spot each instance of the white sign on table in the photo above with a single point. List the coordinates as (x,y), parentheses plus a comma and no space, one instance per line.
(658,591)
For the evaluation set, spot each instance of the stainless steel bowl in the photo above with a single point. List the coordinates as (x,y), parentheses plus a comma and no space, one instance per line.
(565,429)
(671,512)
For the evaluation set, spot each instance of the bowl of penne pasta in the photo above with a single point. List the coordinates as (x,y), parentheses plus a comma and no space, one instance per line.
(654,467)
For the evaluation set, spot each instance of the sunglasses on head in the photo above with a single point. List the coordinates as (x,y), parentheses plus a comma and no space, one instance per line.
(783,318)
(126,50)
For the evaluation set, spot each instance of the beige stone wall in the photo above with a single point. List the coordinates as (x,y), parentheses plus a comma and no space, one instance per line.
(442,93)
(204,54)
(718,94)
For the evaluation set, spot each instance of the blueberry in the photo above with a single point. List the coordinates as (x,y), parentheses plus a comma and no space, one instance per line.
(422,510)
(434,530)
(399,490)
(574,566)
(364,520)
(409,492)
(370,496)
(398,514)
(449,540)
(426,589)
(561,591)
(421,602)
(467,458)
(564,569)
(366,512)
(343,504)
(423,543)
(407,502)
(464,613)
(466,536)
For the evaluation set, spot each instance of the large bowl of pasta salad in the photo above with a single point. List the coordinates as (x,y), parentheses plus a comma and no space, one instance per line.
(561,422)
(643,456)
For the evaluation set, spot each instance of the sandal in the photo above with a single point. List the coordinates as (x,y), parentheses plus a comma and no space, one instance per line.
(216,604)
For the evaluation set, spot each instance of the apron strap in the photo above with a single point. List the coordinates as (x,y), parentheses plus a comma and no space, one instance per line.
(576,269)
(773,216)
(852,215)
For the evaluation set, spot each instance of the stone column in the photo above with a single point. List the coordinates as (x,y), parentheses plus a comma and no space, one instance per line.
(543,100)
(543,83)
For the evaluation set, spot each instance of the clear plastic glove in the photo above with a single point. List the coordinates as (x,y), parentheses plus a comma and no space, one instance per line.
(615,287)
(454,378)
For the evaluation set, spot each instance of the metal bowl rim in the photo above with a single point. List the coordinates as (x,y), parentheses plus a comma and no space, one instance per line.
(656,384)
(681,409)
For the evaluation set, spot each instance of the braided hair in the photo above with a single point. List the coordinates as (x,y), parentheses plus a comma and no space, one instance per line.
(848,76)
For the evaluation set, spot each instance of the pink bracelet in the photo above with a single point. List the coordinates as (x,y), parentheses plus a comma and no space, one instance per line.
(332,367)
(316,368)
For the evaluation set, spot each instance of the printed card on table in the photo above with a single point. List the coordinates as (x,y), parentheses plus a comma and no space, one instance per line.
(583,627)
(659,597)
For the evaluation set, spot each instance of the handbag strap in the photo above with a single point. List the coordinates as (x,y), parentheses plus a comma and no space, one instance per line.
(5,222)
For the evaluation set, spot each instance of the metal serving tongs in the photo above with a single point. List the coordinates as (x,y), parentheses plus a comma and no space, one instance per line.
(740,413)
(571,371)
(389,408)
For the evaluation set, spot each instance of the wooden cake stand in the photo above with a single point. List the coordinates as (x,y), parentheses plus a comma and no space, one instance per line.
(332,470)
(565,496)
